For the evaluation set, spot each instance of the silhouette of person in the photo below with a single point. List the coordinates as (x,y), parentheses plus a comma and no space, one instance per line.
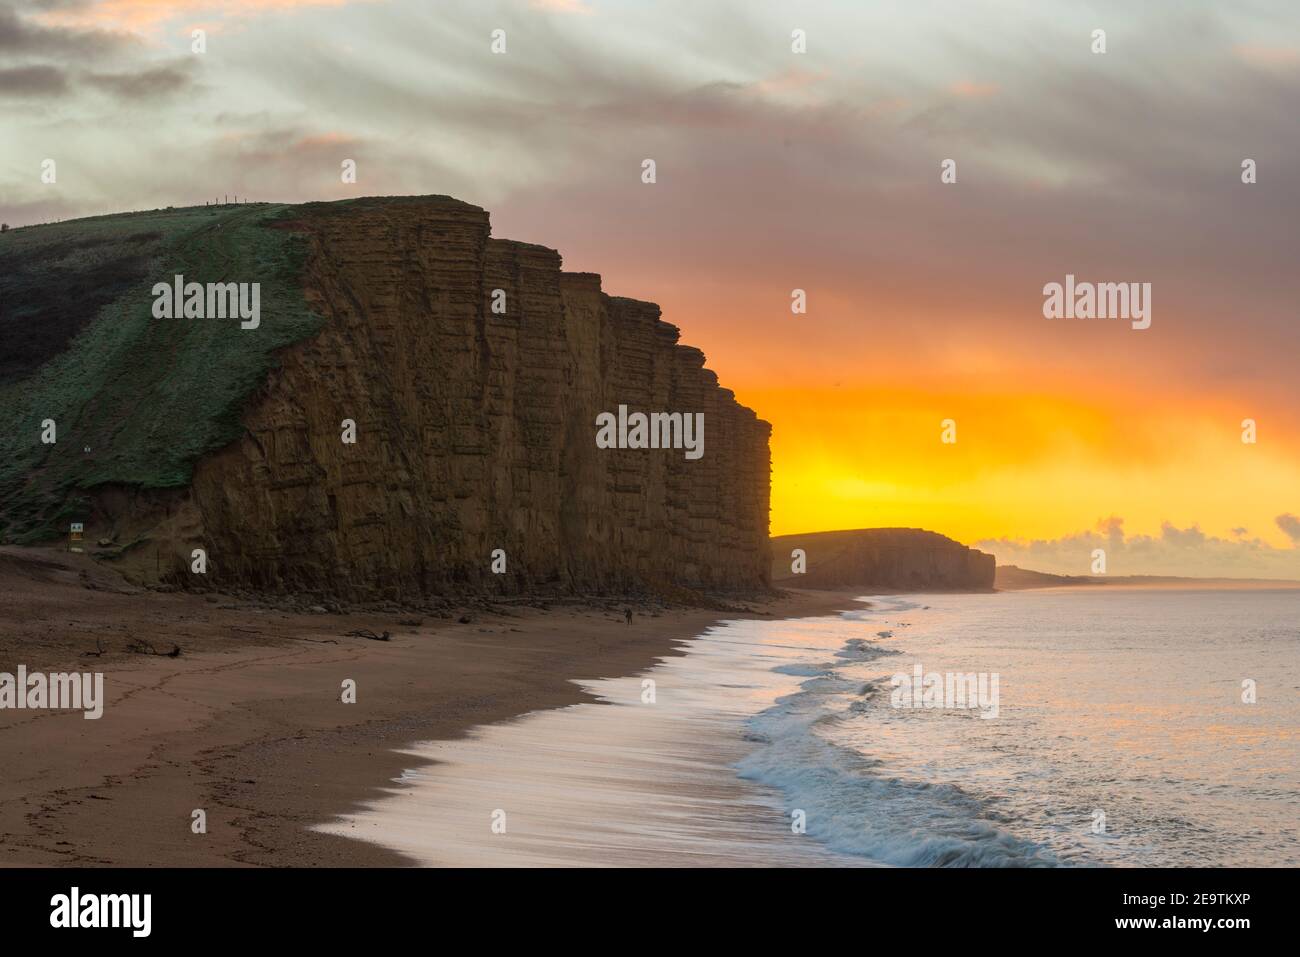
(628,613)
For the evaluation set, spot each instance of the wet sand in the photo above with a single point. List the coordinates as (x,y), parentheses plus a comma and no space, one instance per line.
(651,776)
(247,723)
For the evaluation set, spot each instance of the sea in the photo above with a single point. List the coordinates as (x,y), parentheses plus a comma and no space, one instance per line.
(1069,727)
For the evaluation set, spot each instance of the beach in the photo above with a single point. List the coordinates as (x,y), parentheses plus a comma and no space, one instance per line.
(247,725)
(1054,728)
(772,733)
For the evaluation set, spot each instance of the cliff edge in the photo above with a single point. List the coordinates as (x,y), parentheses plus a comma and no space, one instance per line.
(471,370)
(890,559)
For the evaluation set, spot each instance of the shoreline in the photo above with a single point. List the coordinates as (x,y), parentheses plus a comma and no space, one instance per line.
(246,724)
(664,782)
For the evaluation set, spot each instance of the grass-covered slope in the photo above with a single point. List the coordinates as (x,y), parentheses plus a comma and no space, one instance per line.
(147,397)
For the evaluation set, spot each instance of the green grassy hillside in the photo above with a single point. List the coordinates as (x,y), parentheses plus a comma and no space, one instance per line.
(79,345)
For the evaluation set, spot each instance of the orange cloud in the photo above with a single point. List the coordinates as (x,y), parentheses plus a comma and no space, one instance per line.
(969,89)
(326,139)
(791,79)
(1269,57)
(561,6)
(143,15)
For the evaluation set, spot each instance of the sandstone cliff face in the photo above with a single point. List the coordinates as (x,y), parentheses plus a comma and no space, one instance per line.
(894,559)
(474,432)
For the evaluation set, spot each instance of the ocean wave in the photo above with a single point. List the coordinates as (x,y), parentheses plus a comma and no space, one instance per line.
(853,803)
(860,649)
(799,670)
(854,808)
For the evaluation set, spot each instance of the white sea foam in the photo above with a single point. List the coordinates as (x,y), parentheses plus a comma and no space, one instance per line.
(1125,702)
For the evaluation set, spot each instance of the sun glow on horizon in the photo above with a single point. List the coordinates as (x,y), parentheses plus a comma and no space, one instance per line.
(1023,466)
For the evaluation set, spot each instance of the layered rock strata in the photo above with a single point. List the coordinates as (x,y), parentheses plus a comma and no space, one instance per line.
(475,431)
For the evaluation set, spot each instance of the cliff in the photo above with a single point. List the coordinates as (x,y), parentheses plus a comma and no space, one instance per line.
(474,431)
(1015,578)
(890,559)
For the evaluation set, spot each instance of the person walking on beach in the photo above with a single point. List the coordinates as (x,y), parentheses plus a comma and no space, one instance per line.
(628,613)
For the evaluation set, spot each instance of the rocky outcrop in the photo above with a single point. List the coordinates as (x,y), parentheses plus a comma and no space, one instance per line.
(475,431)
(1014,578)
(891,559)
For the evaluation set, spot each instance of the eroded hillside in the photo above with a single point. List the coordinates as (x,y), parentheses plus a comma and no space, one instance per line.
(890,559)
(474,429)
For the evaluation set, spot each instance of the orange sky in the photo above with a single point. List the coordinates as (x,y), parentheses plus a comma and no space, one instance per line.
(1025,464)
(780,170)
(1058,427)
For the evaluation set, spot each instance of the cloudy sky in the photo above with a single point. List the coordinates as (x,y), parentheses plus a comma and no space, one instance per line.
(820,171)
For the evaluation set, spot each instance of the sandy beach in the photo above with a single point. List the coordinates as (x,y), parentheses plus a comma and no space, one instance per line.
(247,722)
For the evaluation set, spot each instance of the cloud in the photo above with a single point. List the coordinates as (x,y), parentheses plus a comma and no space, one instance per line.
(32,81)
(44,210)
(145,15)
(1268,57)
(1176,551)
(1191,537)
(1290,525)
(40,61)
(973,90)
(561,6)
(19,36)
(143,85)
(818,171)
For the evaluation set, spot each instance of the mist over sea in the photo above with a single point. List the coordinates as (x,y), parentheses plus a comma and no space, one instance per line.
(1119,738)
